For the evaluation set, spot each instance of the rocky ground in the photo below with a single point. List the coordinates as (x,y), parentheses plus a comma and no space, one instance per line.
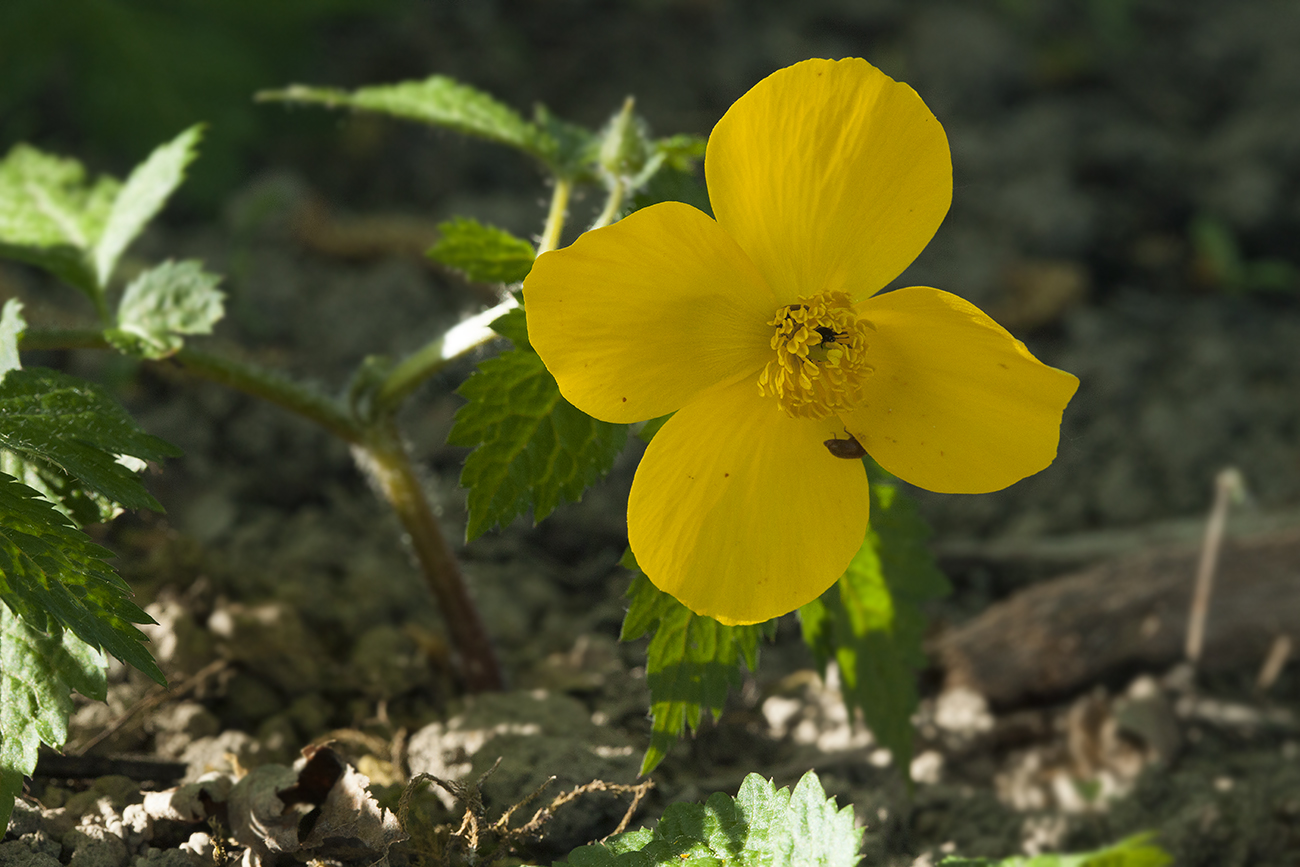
(1126,202)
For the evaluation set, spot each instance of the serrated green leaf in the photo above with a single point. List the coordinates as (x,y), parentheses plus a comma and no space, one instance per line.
(871,622)
(163,303)
(50,571)
(38,672)
(568,150)
(823,835)
(672,185)
(141,198)
(651,427)
(52,215)
(80,504)
(682,151)
(691,664)
(532,448)
(513,326)
(1137,851)
(74,425)
(763,826)
(485,254)
(12,326)
(626,152)
(439,100)
(571,151)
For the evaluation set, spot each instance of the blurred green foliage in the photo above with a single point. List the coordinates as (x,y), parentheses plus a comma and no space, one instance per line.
(1219,263)
(114,77)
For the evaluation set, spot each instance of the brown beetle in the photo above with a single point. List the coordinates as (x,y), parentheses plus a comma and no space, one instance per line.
(849,449)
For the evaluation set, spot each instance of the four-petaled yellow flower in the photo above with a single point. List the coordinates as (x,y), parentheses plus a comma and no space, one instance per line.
(762,330)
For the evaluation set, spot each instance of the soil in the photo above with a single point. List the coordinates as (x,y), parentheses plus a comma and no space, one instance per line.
(1127,202)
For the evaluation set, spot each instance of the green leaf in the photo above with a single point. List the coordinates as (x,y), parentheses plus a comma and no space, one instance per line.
(691,663)
(485,254)
(532,448)
(672,185)
(50,571)
(513,326)
(141,198)
(1136,851)
(682,151)
(871,622)
(12,326)
(761,827)
(440,101)
(59,420)
(569,150)
(651,427)
(625,149)
(163,303)
(80,504)
(38,672)
(52,216)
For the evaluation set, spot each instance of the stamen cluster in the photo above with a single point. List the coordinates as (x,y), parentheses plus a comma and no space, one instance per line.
(821,350)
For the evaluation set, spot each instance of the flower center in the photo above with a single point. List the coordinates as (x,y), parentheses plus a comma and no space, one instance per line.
(821,352)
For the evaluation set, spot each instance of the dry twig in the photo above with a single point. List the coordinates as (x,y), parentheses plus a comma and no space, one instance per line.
(155,698)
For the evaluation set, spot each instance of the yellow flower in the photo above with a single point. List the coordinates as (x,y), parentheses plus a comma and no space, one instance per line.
(762,331)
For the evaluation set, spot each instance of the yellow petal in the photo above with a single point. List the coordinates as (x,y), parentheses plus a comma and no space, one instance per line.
(831,176)
(956,404)
(740,512)
(637,318)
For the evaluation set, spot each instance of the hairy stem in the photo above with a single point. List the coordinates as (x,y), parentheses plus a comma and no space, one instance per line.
(613,204)
(379,450)
(62,338)
(240,375)
(390,466)
(555,218)
(101,308)
(413,370)
(461,338)
(275,388)
(407,376)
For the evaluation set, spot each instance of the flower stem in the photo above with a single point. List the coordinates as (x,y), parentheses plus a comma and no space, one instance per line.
(62,338)
(389,465)
(230,372)
(413,370)
(379,450)
(461,338)
(613,204)
(274,388)
(101,308)
(555,218)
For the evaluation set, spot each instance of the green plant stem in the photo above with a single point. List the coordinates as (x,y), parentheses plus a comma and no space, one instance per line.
(458,340)
(274,388)
(413,370)
(555,218)
(389,464)
(407,376)
(613,204)
(241,375)
(101,308)
(379,450)
(62,338)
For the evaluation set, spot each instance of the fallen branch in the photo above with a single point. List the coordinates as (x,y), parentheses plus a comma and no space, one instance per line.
(1124,615)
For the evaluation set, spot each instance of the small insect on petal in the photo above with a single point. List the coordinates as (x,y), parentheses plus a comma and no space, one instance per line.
(849,449)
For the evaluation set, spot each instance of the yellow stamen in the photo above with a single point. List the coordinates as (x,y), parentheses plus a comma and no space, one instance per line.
(821,352)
